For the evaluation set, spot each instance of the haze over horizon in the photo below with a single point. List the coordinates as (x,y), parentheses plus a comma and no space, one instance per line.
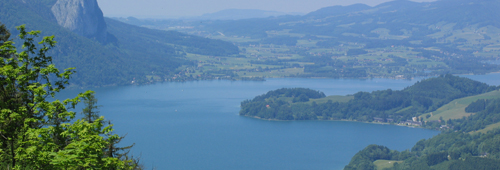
(190,8)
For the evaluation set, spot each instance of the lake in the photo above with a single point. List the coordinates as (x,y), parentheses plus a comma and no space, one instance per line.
(195,125)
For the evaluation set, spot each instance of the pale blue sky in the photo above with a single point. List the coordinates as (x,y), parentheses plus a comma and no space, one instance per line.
(185,8)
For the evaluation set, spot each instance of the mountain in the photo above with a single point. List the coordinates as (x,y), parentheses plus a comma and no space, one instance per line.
(124,54)
(336,10)
(397,5)
(362,19)
(83,17)
(236,14)
(462,12)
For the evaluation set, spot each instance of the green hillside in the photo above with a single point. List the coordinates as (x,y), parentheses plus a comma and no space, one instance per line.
(456,108)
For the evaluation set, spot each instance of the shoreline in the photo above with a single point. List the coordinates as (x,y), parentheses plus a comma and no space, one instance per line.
(342,120)
(258,79)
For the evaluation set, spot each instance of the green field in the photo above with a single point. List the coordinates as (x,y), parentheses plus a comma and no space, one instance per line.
(381,164)
(334,98)
(488,128)
(456,108)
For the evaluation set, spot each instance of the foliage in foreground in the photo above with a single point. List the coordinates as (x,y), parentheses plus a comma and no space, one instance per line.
(36,133)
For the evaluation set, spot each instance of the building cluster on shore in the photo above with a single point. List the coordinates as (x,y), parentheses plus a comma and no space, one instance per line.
(413,122)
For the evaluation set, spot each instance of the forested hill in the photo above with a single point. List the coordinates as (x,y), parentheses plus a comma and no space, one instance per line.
(384,105)
(470,143)
(129,53)
(157,39)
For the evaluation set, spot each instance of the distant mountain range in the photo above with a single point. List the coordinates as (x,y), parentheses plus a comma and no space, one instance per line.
(362,19)
(236,14)
(399,16)
(105,51)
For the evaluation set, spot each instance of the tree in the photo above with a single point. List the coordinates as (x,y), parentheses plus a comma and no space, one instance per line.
(36,133)
(4,34)
(111,150)
(90,112)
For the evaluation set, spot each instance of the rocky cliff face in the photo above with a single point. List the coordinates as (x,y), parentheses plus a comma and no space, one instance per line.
(83,17)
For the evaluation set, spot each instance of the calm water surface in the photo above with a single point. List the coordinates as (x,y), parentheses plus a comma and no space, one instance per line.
(195,125)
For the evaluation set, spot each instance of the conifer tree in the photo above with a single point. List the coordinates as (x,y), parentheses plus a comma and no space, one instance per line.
(91,110)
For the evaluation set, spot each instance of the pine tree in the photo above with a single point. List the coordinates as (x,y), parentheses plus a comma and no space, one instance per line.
(91,110)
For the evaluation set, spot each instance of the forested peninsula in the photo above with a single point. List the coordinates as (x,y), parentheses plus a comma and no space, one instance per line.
(392,106)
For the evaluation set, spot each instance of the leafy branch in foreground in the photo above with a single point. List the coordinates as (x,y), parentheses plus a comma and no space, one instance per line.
(36,133)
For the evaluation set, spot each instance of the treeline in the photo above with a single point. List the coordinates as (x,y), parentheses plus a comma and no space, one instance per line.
(288,92)
(388,105)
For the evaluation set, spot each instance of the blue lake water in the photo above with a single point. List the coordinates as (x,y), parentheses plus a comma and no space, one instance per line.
(195,125)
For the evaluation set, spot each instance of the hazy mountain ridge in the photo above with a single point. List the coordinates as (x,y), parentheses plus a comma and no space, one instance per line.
(336,10)
(463,12)
(326,21)
(458,11)
(236,14)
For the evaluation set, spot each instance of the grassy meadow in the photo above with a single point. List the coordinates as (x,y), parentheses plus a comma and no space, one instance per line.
(456,108)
